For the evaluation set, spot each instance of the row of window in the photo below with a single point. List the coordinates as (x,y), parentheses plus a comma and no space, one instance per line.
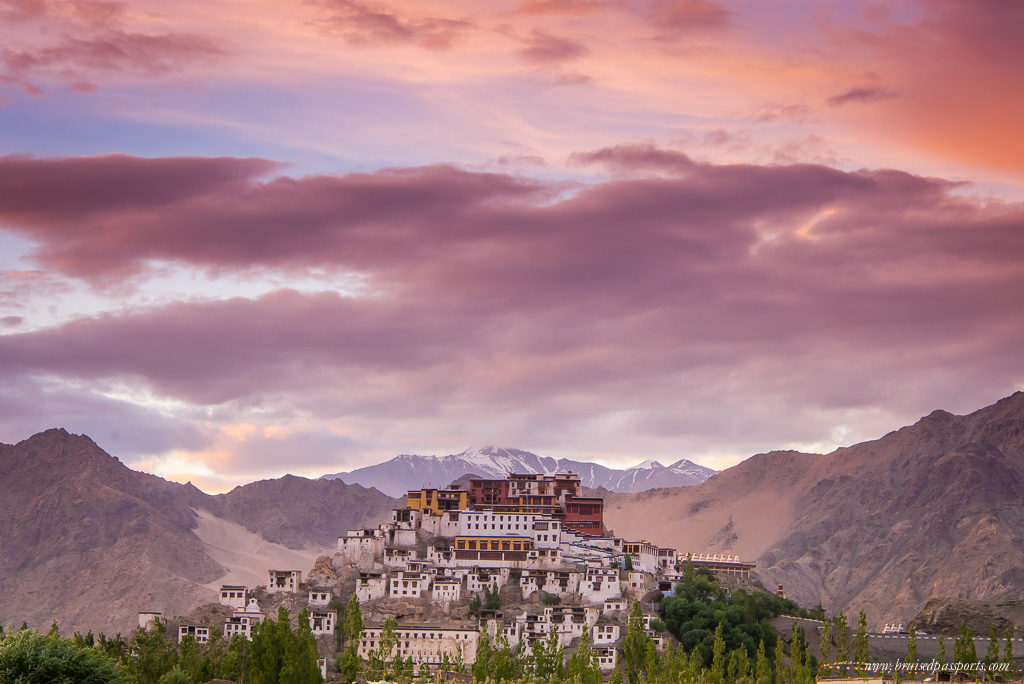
(493,545)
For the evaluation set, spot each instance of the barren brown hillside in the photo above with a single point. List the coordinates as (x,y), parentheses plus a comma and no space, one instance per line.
(932,510)
(89,542)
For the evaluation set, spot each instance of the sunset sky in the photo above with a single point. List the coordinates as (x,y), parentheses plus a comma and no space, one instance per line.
(243,238)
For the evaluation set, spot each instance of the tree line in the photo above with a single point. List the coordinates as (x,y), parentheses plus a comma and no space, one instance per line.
(277,654)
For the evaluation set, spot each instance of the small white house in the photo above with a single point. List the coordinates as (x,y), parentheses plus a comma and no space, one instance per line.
(607,657)
(283,580)
(409,584)
(198,632)
(244,621)
(371,586)
(446,590)
(233,596)
(605,635)
(319,597)
(148,619)
(614,605)
(322,664)
(322,621)
(239,624)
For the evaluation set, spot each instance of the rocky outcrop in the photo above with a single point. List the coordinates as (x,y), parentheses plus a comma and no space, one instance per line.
(943,616)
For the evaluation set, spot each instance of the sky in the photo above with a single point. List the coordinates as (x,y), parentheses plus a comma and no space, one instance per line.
(240,238)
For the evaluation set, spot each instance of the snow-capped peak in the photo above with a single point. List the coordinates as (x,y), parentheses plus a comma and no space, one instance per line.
(649,464)
(406,472)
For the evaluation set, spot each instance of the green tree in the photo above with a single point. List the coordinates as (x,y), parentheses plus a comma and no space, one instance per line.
(28,657)
(349,662)
(861,649)
(353,627)
(299,666)
(475,605)
(175,676)
(627,563)
(583,665)
(504,666)
(235,663)
(482,665)
(491,599)
(912,650)
(717,674)
(781,675)
(381,656)
(940,653)
(269,649)
(825,645)
(190,660)
(992,655)
(152,653)
(842,630)
(796,654)
(423,674)
(963,649)
(1008,648)
(635,645)
(739,665)
(762,667)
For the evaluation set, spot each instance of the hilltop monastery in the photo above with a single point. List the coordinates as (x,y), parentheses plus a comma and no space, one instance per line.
(528,535)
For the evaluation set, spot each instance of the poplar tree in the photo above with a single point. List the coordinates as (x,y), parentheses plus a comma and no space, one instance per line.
(583,665)
(796,654)
(912,651)
(825,645)
(1008,649)
(781,675)
(992,655)
(739,665)
(940,654)
(717,675)
(842,639)
(349,662)
(635,645)
(301,654)
(762,668)
(861,648)
(963,649)
(482,666)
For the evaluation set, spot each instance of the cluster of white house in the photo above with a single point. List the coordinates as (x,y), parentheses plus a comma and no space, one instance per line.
(247,613)
(534,533)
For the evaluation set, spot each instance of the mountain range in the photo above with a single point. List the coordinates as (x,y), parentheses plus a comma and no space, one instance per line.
(930,511)
(90,542)
(407,471)
(933,510)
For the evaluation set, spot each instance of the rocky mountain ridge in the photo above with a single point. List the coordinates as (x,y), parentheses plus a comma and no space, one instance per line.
(409,471)
(931,510)
(90,542)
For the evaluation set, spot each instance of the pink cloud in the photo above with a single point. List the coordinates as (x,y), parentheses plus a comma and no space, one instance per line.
(366,23)
(862,94)
(505,296)
(543,48)
(78,43)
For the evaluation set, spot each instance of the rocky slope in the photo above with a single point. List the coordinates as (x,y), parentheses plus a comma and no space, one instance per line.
(406,472)
(89,542)
(943,616)
(930,510)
